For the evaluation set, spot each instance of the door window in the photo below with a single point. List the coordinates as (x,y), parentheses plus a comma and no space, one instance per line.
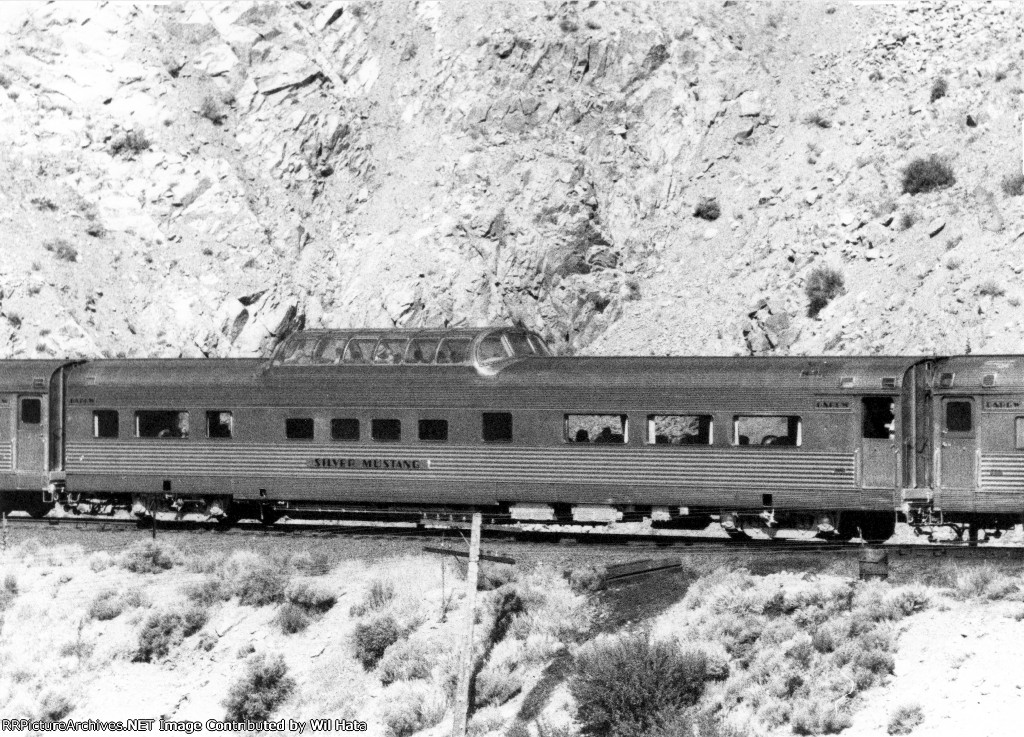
(31,411)
(879,417)
(958,416)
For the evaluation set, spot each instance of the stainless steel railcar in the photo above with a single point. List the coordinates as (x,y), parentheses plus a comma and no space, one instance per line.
(375,422)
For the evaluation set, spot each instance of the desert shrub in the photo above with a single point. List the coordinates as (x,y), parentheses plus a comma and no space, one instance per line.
(817,119)
(927,174)
(207,641)
(707,209)
(44,204)
(543,604)
(824,284)
(206,591)
(100,561)
(309,597)
(316,563)
(586,580)
(990,288)
(407,660)
(905,719)
(292,618)
(907,220)
(129,143)
(490,719)
(983,582)
(372,638)
(625,685)
(1013,185)
(501,678)
(106,605)
(14,320)
(62,249)
(260,690)
(260,585)
(819,716)
(412,706)
(165,630)
(147,557)
(211,110)
(55,706)
(5,81)
(378,595)
(494,577)
(939,89)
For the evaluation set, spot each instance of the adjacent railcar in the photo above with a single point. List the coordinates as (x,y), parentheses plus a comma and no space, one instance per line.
(381,422)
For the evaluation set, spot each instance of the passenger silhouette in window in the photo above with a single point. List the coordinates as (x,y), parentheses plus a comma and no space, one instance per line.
(605,436)
(582,436)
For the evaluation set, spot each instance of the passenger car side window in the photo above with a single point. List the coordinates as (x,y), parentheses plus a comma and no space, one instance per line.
(104,423)
(497,427)
(298,428)
(161,423)
(766,430)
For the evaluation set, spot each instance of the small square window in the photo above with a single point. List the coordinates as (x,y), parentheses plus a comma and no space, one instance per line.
(298,428)
(497,427)
(344,428)
(436,430)
(958,416)
(104,423)
(219,424)
(386,431)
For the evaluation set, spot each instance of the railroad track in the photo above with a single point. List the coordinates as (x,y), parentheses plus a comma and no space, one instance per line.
(677,542)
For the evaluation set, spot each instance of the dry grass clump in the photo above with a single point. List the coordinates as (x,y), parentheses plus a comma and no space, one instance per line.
(212,110)
(260,690)
(130,143)
(100,561)
(378,595)
(55,706)
(207,591)
(503,675)
(412,706)
(984,582)
(165,630)
(148,557)
(927,174)
(817,119)
(255,581)
(625,686)
(408,659)
(991,288)
(317,563)
(905,719)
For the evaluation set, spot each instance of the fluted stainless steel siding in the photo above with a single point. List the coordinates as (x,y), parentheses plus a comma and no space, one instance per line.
(7,455)
(747,469)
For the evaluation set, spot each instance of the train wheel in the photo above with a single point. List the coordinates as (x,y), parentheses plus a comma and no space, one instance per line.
(38,510)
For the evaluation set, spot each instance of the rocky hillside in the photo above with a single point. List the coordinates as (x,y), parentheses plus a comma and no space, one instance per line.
(200,178)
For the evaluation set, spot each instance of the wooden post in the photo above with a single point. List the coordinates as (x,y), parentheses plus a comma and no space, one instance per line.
(466,663)
(5,532)
(154,521)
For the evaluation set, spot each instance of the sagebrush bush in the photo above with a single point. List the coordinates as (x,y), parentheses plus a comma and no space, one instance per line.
(211,110)
(817,119)
(1013,185)
(372,638)
(148,557)
(106,605)
(407,660)
(129,143)
(926,175)
(627,684)
(317,563)
(939,89)
(824,284)
(55,706)
(411,707)
(291,619)
(707,209)
(502,676)
(263,687)
(163,631)
(819,717)
(905,719)
(310,597)
(100,561)
(991,288)
(62,249)
(983,582)
(207,591)
(260,585)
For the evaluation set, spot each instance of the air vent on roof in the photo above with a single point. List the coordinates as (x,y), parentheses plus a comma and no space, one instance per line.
(846,382)
(888,382)
(988,380)
(39,384)
(946,380)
